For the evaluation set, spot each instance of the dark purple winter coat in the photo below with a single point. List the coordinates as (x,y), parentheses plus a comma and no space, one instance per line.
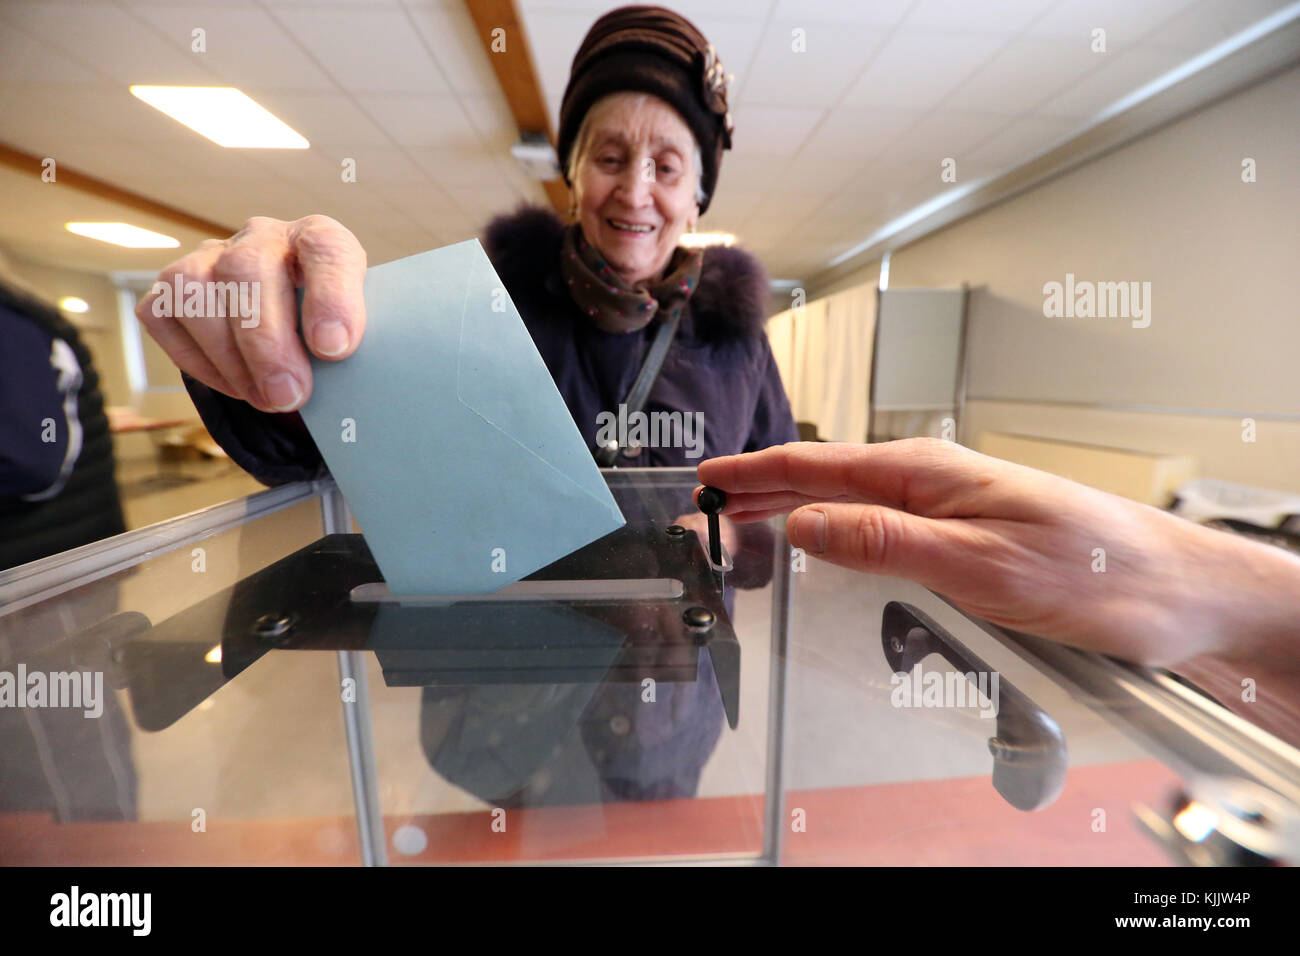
(720,363)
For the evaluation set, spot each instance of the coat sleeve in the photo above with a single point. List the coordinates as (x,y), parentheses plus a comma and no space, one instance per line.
(773,420)
(34,431)
(275,449)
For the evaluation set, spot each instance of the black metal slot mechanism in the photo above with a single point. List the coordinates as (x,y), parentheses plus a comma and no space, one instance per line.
(318,599)
(1029,753)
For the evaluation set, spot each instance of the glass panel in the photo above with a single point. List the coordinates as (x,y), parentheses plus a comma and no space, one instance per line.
(627,756)
(161,752)
(210,726)
(887,770)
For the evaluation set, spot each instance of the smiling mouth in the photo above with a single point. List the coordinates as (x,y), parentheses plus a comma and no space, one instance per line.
(634,228)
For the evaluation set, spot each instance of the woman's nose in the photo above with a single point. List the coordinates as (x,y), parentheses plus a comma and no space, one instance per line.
(636,182)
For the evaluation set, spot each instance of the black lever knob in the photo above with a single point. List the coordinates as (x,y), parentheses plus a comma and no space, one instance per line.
(711,502)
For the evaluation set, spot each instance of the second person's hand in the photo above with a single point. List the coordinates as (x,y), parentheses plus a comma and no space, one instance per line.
(1025,549)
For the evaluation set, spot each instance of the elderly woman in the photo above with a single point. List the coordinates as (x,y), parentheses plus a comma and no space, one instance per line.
(643,126)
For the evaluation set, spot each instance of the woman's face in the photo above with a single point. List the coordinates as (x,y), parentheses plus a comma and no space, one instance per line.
(635,183)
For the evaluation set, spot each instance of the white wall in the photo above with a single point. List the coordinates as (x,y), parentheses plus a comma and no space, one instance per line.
(1223,260)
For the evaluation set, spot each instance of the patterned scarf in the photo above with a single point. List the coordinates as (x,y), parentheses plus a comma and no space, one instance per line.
(612,304)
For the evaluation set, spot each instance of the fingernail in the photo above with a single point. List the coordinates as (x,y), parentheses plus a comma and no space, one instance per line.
(810,528)
(282,392)
(331,339)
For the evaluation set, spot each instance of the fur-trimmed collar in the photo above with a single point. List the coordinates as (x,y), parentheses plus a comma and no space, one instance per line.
(731,299)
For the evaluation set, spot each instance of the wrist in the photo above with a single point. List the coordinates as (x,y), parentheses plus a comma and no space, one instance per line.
(1260,607)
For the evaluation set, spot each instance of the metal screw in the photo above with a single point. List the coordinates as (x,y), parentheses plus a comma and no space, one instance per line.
(272,625)
(896,644)
(698,618)
(676,530)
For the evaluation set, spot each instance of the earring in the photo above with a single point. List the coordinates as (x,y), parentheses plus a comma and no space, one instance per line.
(573,209)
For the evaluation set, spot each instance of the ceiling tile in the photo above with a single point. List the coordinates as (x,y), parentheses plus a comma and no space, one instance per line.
(773,130)
(1027,72)
(879,13)
(108,40)
(1123,20)
(916,69)
(422,119)
(245,47)
(844,143)
(449,32)
(26,61)
(375,164)
(34,116)
(325,118)
(815,74)
(365,50)
(320,3)
(491,117)
(693,10)
(553,38)
(455,167)
(942,135)
(744,169)
(1003,17)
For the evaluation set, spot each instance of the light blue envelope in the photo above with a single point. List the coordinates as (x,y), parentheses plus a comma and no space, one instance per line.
(448,437)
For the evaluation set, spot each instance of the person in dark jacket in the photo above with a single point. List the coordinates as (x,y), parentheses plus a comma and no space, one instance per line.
(643,125)
(57,491)
(57,484)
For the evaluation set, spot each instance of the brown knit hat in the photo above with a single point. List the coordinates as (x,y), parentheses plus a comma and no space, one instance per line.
(651,50)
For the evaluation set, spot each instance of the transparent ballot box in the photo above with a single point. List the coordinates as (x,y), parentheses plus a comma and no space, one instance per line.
(238,686)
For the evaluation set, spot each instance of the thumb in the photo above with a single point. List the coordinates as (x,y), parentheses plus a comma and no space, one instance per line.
(875,539)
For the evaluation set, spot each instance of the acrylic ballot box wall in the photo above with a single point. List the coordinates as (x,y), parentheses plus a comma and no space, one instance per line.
(240,701)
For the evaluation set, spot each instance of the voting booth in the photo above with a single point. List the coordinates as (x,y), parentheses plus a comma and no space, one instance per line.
(252,693)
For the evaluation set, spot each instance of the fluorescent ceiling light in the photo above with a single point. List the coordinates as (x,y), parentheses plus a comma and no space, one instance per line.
(71,303)
(694,240)
(224,115)
(123,234)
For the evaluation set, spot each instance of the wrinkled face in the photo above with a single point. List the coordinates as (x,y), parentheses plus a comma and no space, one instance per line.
(635,183)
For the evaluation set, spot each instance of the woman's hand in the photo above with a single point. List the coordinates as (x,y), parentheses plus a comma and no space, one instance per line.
(261,359)
(1024,549)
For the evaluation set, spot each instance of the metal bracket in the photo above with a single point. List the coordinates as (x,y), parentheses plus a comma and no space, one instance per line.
(1029,753)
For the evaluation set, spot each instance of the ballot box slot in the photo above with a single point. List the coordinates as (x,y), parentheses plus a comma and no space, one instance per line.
(598,591)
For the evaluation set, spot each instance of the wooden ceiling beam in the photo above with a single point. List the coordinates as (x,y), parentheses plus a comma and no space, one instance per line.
(33,164)
(501,32)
